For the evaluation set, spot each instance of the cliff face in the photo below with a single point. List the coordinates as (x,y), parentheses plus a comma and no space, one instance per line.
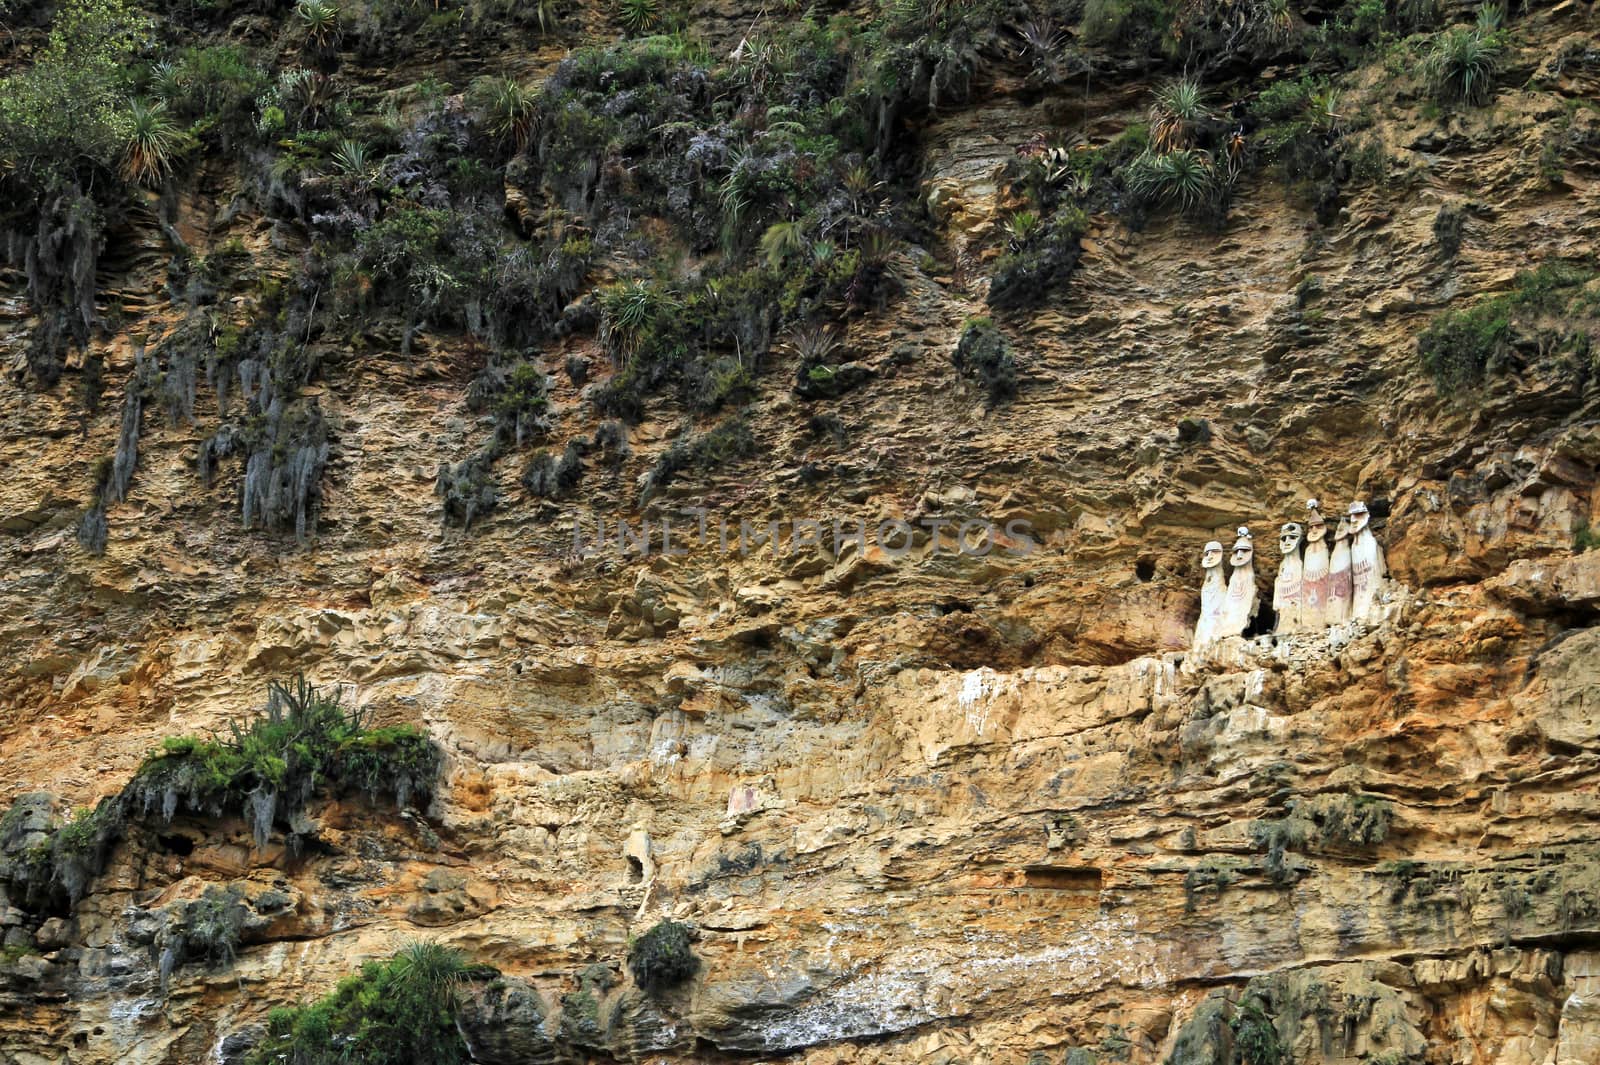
(940,808)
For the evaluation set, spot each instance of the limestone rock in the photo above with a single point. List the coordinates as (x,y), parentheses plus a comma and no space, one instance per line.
(504,1023)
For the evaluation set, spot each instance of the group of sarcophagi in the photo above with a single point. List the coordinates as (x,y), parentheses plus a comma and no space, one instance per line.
(1316,589)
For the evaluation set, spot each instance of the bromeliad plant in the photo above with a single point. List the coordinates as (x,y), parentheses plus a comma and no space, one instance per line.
(1178,115)
(304,742)
(153,143)
(507,108)
(320,20)
(1186,178)
(639,16)
(1463,63)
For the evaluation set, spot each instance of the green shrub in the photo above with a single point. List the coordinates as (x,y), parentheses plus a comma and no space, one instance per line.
(398,1012)
(662,958)
(518,398)
(984,353)
(1357,27)
(1255,1035)
(1584,538)
(87,61)
(216,88)
(64,127)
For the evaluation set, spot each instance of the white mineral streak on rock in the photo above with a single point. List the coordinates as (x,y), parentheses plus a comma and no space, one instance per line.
(978,687)
(916,985)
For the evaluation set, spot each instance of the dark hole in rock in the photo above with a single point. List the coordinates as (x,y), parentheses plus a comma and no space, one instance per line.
(1265,621)
(635,870)
(176,843)
(1063,878)
(1145,569)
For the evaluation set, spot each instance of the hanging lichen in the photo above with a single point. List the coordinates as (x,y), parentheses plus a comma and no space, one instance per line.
(467,488)
(114,475)
(180,356)
(283,473)
(281,437)
(547,477)
(59,259)
(517,396)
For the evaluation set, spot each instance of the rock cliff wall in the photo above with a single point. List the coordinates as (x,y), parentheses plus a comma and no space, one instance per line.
(937,809)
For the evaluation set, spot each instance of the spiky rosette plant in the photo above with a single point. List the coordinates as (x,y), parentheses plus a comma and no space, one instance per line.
(507,108)
(639,16)
(1178,115)
(1185,179)
(320,19)
(1462,66)
(153,143)
(352,160)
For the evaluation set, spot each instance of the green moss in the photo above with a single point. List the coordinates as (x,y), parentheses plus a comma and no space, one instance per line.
(1126,25)
(662,958)
(1463,347)
(984,354)
(1211,877)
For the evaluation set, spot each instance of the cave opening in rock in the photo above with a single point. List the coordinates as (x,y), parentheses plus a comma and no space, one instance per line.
(635,870)
(1264,622)
(176,843)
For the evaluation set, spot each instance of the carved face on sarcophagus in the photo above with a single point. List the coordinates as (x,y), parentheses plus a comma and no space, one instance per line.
(1316,527)
(1359,517)
(1243,549)
(1289,538)
(1211,555)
